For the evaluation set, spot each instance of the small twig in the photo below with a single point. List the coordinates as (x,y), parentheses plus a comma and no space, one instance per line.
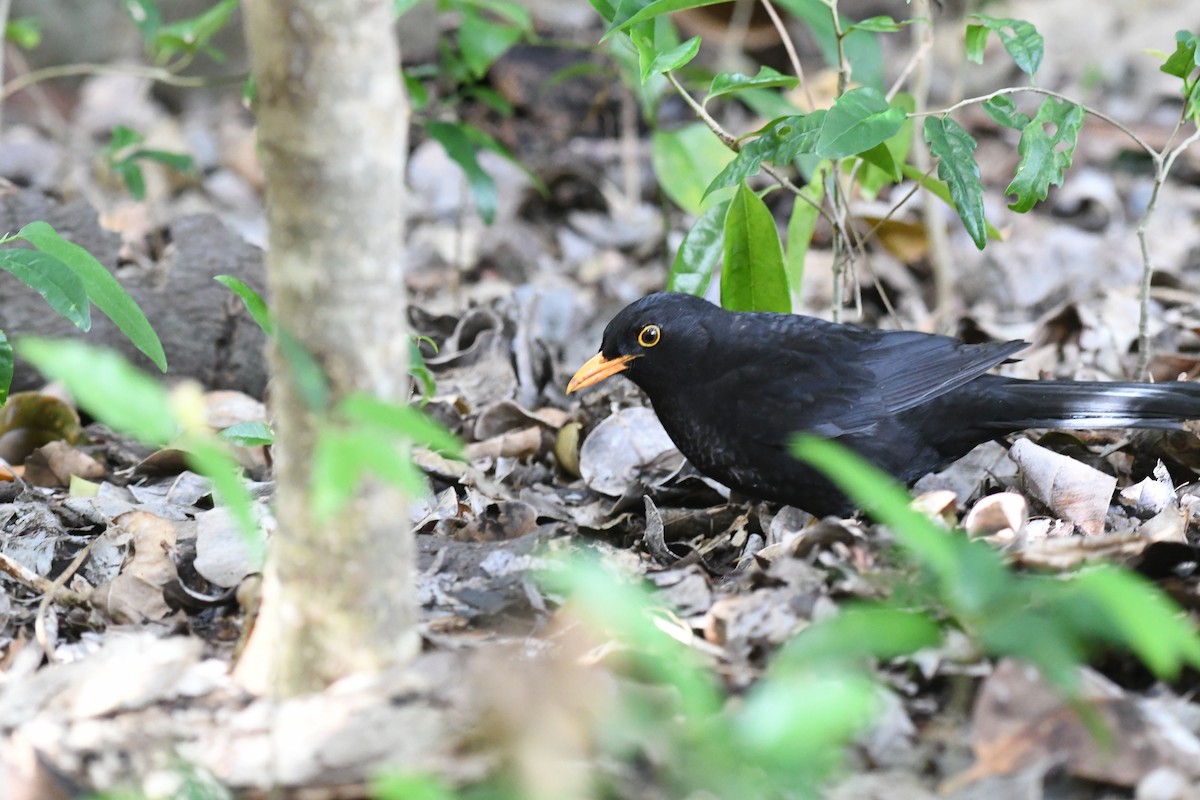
(790,47)
(1162,167)
(56,591)
(843,65)
(157,74)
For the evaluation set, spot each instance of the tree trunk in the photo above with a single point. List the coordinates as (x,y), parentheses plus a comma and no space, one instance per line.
(332,124)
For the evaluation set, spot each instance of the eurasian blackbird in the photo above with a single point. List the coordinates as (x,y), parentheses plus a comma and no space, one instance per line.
(731,388)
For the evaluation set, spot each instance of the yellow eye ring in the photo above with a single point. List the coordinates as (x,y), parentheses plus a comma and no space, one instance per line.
(649,336)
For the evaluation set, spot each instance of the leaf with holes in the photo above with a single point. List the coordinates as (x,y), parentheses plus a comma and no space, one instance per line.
(1045,155)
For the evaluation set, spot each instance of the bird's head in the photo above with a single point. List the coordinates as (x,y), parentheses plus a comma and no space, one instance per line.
(655,341)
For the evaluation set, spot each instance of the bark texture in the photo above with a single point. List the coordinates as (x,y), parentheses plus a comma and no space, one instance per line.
(337,598)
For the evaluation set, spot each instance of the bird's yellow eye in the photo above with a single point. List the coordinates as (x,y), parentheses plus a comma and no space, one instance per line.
(649,336)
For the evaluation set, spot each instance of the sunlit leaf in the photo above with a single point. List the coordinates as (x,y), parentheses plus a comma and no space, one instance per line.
(753,276)
(101,288)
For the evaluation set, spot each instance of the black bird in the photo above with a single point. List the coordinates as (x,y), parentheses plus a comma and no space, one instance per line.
(731,388)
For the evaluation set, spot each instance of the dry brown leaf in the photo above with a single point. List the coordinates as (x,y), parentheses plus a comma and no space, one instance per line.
(1019,719)
(135,595)
(54,463)
(1069,488)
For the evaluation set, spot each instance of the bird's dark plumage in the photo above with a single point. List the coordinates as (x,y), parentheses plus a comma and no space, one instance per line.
(731,388)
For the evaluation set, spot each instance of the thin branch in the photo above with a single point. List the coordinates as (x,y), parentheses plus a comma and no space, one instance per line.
(732,142)
(1162,167)
(790,47)
(152,73)
(1142,143)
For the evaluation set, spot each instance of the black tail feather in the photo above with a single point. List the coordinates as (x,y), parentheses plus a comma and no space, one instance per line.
(1094,404)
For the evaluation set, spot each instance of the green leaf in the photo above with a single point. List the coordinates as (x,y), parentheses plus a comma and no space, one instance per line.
(685,162)
(6,367)
(131,175)
(209,457)
(861,47)
(180,162)
(859,632)
(801,225)
(879,495)
(402,420)
(976,43)
(248,434)
(402,7)
(858,121)
(1154,627)
(1020,39)
(304,370)
(105,385)
(462,151)
(24,32)
(401,786)
(954,149)
(880,157)
(1186,57)
(631,12)
(729,82)
(1004,111)
(418,95)
(482,41)
(53,280)
(193,35)
(880,24)
(672,59)
(511,13)
(251,299)
(1045,156)
(341,458)
(781,142)
(699,252)
(942,192)
(102,288)
(145,16)
(752,277)
(879,169)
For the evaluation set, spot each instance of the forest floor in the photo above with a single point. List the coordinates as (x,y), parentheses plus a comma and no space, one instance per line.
(124,596)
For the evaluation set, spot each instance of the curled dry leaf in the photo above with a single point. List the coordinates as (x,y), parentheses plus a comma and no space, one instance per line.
(55,462)
(619,447)
(29,420)
(1002,516)
(1069,488)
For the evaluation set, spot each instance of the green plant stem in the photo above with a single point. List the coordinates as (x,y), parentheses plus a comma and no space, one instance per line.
(152,73)
(843,65)
(732,142)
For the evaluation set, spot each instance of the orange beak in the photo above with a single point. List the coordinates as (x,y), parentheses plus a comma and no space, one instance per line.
(597,369)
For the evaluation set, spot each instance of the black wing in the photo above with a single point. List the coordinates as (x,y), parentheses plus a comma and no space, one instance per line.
(836,380)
